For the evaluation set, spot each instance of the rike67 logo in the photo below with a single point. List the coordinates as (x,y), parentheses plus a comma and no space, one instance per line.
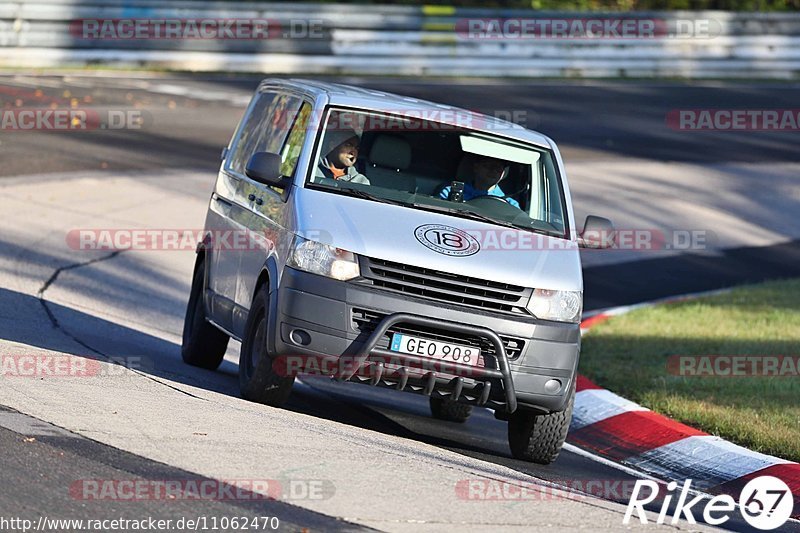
(765,502)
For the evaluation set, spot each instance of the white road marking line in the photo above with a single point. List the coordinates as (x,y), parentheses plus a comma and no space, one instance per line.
(234,98)
(571,448)
(36,83)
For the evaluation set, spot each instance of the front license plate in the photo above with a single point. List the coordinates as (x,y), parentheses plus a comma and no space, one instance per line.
(455,353)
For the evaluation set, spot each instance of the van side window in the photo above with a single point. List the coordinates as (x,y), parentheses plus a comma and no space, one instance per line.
(249,130)
(265,128)
(277,122)
(294,142)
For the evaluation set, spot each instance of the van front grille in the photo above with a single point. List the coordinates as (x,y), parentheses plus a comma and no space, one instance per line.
(445,287)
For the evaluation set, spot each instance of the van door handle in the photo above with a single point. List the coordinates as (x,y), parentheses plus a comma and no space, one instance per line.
(251,197)
(259,201)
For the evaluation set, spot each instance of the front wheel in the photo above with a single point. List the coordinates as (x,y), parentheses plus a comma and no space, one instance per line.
(203,344)
(539,438)
(258,380)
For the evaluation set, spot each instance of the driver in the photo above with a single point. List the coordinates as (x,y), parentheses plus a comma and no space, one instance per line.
(340,149)
(487,172)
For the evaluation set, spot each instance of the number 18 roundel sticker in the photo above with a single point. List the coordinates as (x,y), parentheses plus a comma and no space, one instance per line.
(447,240)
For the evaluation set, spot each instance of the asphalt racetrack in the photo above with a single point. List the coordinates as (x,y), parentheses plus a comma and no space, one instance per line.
(374,459)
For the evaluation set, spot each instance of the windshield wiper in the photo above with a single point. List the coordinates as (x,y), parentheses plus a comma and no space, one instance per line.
(466,213)
(491,220)
(462,213)
(358,193)
(474,215)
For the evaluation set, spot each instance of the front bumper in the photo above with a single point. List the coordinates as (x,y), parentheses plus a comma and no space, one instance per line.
(319,317)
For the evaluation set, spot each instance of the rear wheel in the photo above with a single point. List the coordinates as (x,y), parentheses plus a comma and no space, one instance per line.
(451,411)
(258,380)
(539,438)
(203,344)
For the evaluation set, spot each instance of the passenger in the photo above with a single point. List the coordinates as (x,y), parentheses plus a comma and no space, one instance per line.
(487,172)
(341,152)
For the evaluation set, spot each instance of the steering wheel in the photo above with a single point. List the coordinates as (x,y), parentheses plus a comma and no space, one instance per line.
(490,198)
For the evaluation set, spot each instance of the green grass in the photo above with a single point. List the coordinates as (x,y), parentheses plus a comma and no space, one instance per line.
(628,355)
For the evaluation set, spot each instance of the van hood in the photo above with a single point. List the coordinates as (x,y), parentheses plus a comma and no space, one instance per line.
(438,241)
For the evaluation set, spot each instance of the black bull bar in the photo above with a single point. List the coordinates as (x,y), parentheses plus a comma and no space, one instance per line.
(373,356)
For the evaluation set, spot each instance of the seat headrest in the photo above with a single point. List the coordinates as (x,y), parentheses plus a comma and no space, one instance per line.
(390,151)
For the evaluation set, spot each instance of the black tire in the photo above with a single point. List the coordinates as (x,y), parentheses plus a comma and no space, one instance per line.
(539,438)
(203,344)
(451,411)
(258,381)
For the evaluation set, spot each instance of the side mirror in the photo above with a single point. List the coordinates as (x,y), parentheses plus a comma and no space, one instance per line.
(265,167)
(598,232)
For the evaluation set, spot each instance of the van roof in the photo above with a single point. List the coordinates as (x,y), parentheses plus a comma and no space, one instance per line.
(350,96)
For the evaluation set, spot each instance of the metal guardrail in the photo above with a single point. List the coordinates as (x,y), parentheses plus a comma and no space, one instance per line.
(405,40)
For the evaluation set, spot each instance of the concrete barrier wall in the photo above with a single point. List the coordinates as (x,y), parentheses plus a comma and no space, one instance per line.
(404,40)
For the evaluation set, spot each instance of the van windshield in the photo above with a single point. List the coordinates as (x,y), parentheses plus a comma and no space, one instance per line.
(438,167)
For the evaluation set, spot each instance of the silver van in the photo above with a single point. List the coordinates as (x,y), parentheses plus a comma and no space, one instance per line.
(399,243)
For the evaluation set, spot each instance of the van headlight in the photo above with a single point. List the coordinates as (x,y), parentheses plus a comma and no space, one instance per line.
(322,259)
(562,306)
